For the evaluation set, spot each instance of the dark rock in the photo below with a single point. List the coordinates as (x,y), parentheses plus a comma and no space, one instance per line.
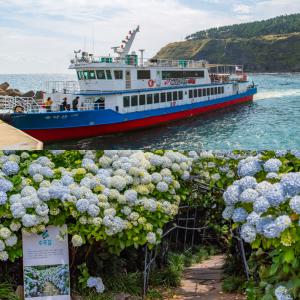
(13,93)
(4,86)
(29,94)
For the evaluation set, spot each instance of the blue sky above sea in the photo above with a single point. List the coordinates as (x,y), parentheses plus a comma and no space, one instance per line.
(40,35)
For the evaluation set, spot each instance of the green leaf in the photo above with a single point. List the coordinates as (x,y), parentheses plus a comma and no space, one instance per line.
(289,255)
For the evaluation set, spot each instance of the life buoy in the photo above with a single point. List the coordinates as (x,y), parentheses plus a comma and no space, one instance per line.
(150,82)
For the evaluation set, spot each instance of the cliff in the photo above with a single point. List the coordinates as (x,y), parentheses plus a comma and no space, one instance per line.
(276,52)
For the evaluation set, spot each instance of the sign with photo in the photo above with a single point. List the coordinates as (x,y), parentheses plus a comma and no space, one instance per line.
(46,265)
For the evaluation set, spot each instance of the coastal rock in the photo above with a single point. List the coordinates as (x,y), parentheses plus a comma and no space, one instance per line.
(13,93)
(4,86)
(29,94)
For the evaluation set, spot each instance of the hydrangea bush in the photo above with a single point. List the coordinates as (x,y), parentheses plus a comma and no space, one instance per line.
(264,202)
(121,198)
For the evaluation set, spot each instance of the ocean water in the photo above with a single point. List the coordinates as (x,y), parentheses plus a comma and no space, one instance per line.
(272,121)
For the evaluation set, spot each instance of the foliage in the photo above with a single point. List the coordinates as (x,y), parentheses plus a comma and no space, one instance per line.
(7,292)
(121,199)
(278,25)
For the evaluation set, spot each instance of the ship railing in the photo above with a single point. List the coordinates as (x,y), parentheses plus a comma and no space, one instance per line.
(145,62)
(64,87)
(11,104)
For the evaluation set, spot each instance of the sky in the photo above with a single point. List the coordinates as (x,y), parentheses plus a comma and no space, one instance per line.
(39,36)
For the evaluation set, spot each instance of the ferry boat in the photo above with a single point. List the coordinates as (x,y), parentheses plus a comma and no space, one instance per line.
(126,92)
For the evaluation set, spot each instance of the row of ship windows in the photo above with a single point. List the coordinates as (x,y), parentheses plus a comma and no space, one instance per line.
(136,100)
(99,74)
(141,74)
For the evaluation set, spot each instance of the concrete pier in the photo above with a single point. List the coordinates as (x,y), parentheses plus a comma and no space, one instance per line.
(15,139)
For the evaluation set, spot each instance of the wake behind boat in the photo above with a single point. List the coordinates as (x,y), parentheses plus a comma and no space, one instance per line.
(127,92)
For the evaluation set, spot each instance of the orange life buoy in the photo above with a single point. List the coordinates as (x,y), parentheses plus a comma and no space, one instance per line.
(150,82)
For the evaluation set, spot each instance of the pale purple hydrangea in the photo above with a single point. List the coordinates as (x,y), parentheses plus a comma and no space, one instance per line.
(272,165)
(248,195)
(239,215)
(248,233)
(295,204)
(231,195)
(5,185)
(10,168)
(3,198)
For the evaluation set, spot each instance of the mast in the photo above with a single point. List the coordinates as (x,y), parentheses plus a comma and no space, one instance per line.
(124,49)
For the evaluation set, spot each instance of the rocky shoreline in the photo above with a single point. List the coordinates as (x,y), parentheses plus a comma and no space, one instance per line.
(7,90)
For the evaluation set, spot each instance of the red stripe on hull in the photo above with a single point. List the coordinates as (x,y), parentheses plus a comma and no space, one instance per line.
(47,135)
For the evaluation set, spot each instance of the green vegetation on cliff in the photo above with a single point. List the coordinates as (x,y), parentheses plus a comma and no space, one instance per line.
(266,46)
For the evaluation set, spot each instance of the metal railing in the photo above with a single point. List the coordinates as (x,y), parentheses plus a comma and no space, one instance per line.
(65,87)
(147,62)
(11,104)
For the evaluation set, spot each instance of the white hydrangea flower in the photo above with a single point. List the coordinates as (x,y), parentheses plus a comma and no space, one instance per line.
(5,233)
(77,240)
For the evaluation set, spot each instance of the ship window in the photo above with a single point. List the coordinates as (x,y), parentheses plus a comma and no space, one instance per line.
(142,100)
(126,101)
(80,75)
(163,97)
(134,100)
(212,91)
(199,93)
(118,74)
(169,96)
(219,90)
(195,93)
(175,96)
(156,98)
(204,92)
(100,74)
(190,94)
(143,74)
(108,74)
(92,75)
(149,99)
(208,92)
(180,95)
(222,89)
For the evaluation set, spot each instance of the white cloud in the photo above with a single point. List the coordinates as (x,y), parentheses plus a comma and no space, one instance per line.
(241,8)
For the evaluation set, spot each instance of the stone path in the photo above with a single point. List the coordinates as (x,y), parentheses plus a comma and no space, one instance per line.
(203,282)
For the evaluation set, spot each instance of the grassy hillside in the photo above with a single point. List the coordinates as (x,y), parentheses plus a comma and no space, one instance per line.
(262,53)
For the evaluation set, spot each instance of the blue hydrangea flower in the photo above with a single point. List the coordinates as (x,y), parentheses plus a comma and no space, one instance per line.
(231,195)
(253,218)
(82,205)
(291,183)
(3,198)
(283,222)
(272,175)
(262,222)
(239,215)
(295,204)
(5,185)
(227,212)
(247,182)
(271,230)
(248,195)
(261,205)
(249,167)
(275,195)
(282,293)
(248,233)
(280,153)
(272,165)
(10,168)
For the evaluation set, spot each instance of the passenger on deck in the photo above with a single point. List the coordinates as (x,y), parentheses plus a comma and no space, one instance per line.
(75,103)
(64,104)
(48,104)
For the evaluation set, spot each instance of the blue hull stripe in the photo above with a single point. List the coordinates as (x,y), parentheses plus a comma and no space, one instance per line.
(72,119)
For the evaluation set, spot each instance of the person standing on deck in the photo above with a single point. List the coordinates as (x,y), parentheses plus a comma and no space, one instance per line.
(75,103)
(48,104)
(64,104)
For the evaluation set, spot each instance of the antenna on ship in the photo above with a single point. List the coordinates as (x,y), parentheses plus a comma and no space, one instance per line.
(142,56)
(124,49)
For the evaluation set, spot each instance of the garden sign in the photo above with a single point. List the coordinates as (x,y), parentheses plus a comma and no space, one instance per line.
(46,265)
